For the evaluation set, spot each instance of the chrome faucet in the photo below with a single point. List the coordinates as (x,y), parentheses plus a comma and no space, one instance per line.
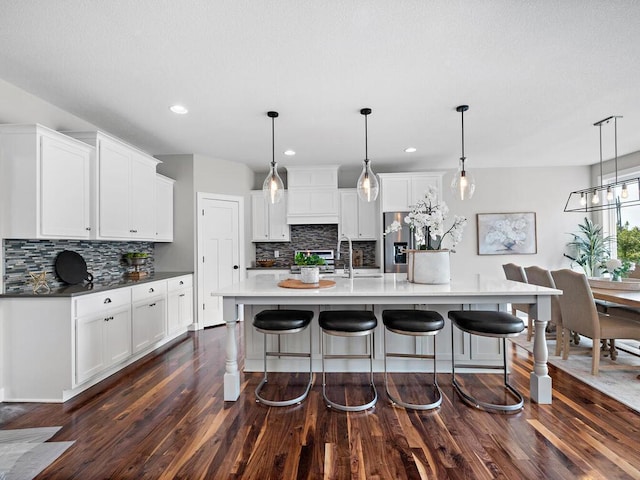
(340,238)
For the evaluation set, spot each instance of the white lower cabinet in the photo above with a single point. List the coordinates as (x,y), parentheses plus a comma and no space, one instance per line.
(179,303)
(149,314)
(103,337)
(55,347)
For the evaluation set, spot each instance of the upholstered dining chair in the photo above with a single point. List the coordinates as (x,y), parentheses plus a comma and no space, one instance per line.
(579,314)
(542,277)
(517,274)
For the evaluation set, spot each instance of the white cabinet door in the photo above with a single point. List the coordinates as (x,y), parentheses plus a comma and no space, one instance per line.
(179,303)
(368,220)
(114,186)
(164,208)
(142,197)
(349,213)
(149,323)
(259,218)
(65,195)
(279,230)
(400,191)
(396,193)
(358,219)
(90,340)
(45,184)
(269,221)
(118,336)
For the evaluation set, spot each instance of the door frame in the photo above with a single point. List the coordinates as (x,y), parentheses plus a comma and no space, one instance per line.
(200,198)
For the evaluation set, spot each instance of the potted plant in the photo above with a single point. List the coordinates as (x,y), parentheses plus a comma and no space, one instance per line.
(590,246)
(309,270)
(136,258)
(426,221)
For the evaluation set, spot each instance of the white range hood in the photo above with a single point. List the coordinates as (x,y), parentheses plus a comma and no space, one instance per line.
(312,195)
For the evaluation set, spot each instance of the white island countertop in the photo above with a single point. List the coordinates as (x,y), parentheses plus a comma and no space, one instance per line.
(390,289)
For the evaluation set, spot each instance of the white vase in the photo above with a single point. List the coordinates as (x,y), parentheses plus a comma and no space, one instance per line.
(310,274)
(428,266)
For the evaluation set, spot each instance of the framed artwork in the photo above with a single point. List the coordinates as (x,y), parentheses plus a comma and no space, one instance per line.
(507,233)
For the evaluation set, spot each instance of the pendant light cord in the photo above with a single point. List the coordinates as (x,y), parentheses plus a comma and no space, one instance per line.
(600,127)
(463,157)
(273,142)
(615,133)
(366,140)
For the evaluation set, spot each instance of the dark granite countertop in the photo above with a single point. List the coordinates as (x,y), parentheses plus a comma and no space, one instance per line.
(84,289)
(266,269)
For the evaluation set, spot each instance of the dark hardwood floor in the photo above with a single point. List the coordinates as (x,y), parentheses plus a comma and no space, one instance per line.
(165,418)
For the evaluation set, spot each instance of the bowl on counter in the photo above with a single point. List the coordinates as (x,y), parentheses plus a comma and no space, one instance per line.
(265,263)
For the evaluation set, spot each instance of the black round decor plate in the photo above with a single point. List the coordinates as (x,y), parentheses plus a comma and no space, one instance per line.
(71,267)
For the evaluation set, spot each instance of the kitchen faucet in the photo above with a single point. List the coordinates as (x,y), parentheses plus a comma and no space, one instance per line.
(340,238)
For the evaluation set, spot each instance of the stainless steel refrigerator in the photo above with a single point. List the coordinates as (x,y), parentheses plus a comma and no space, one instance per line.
(395,259)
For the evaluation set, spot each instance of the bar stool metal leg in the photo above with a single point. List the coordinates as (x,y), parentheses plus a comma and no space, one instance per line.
(339,406)
(293,401)
(416,406)
(472,401)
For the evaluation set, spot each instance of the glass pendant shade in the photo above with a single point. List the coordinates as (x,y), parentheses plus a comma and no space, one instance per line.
(273,188)
(463,184)
(368,185)
(625,192)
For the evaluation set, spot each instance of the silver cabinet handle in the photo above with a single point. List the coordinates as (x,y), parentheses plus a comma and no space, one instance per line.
(181,295)
(181,282)
(88,229)
(107,300)
(151,290)
(152,305)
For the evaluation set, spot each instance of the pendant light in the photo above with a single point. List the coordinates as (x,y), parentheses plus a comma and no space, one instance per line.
(368,185)
(273,188)
(612,195)
(463,183)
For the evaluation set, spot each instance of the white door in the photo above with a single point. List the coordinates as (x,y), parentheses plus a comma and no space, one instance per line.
(219,254)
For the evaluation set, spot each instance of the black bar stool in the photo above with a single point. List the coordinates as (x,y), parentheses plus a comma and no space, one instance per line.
(348,323)
(279,322)
(418,323)
(487,324)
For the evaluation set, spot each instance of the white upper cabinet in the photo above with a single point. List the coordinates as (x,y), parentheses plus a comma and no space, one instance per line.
(313,196)
(269,221)
(164,208)
(399,191)
(45,179)
(126,188)
(358,219)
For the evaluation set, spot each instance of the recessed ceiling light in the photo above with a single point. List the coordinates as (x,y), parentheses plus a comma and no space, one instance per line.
(179,109)
(289,153)
(410,149)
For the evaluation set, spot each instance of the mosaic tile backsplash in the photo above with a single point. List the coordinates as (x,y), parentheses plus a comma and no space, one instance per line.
(313,237)
(104,260)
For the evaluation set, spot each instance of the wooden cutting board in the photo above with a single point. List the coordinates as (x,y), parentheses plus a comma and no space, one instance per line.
(291,283)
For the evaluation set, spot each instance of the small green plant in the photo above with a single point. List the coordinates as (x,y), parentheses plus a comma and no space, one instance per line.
(136,255)
(302,258)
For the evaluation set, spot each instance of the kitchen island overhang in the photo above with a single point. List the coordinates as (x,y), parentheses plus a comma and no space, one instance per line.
(390,289)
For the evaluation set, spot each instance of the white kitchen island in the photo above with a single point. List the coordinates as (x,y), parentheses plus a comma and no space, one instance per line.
(471,291)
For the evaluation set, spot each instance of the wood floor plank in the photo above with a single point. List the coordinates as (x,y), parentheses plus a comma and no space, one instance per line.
(165,418)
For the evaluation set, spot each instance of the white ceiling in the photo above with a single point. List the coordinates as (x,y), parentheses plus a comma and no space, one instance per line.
(536,74)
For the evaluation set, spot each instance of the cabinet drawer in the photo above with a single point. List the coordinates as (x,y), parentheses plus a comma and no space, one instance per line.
(147,291)
(90,304)
(179,282)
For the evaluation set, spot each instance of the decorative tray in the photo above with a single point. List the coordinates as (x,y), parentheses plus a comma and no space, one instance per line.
(291,283)
(628,284)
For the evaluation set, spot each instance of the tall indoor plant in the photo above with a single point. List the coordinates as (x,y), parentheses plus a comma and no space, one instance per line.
(591,247)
